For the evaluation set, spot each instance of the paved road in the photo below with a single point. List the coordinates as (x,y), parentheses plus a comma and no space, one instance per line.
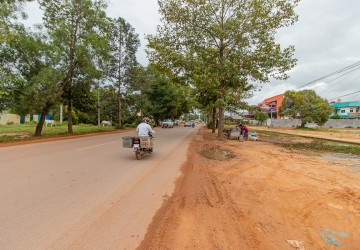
(86,193)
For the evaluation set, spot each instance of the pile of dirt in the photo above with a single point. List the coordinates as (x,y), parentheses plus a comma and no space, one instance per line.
(264,197)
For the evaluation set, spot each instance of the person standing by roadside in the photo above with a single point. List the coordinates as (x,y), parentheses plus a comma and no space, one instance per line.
(244,131)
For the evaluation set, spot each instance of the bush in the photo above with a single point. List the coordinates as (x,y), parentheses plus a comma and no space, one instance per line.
(85,125)
(75,119)
(31,122)
(131,125)
(336,116)
(83,117)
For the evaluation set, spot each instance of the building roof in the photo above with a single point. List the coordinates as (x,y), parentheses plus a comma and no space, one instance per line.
(345,104)
(276,97)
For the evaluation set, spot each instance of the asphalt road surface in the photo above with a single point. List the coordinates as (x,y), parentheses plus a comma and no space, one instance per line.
(86,193)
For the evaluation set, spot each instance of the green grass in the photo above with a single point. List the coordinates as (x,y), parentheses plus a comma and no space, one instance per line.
(305,143)
(22,132)
(319,130)
(323,145)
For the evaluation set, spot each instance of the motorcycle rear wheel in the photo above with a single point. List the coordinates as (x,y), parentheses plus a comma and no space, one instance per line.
(138,155)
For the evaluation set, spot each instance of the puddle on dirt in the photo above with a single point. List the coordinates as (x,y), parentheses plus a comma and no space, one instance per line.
(217,153)
(349,160)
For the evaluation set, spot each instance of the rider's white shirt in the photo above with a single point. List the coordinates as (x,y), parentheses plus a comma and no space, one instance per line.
(143,129)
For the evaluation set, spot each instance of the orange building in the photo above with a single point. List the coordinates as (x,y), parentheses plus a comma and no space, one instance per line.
(274,103)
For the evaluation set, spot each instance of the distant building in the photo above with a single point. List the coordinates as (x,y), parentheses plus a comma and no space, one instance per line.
(349,110)
(6,118)
(271,105)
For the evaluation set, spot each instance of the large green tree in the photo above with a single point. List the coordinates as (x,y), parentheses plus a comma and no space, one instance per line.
(261,116)
(10,11)
(76,32)
(26,74)
(124,43)
(165,98)
(305,105)
(162,98)
(227,44)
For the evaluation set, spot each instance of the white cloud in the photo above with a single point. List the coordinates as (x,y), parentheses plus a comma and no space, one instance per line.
(326,39)
(141,14)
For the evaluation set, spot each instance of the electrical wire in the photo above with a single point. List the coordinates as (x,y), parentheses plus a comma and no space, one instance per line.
(354,65)
(345,95)
(351,77)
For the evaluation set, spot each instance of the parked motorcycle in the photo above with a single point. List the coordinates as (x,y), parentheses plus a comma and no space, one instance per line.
(142,145)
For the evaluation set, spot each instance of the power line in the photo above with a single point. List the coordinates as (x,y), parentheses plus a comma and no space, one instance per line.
(334,73)
(345,74)
(345,95)
(344,83)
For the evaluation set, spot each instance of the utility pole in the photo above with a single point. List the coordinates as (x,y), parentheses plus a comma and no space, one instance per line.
(61,113)
(98,104)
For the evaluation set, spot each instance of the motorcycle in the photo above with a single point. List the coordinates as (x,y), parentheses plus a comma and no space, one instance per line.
(142,145)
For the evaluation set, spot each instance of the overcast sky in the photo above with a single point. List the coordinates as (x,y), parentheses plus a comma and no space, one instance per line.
(326,39)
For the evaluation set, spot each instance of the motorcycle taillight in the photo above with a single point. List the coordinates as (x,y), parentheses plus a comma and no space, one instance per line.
(136,141)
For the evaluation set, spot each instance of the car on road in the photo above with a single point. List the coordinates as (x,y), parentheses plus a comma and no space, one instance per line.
(167,124)
(187,124)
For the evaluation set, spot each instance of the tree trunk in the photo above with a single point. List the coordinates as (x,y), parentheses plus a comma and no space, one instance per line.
(119,115)
(40,125)
(70,127)
(222,95)
(221,124)
(302,125)
(213,125)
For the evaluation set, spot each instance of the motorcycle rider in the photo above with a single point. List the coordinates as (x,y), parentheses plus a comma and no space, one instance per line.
(144,129)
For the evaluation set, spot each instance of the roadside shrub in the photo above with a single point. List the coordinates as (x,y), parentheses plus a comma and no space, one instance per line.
(336,116)
(85,125)
(75,119)
(31,122)
(10,123)
(130,125)
(348,127)
(83,117)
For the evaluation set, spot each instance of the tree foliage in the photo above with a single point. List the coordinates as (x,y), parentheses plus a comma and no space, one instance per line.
(26,71)
(75,34)
(124,43)
(64,60)
(305,105)
(223,45)
(261,116)
(166,99)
